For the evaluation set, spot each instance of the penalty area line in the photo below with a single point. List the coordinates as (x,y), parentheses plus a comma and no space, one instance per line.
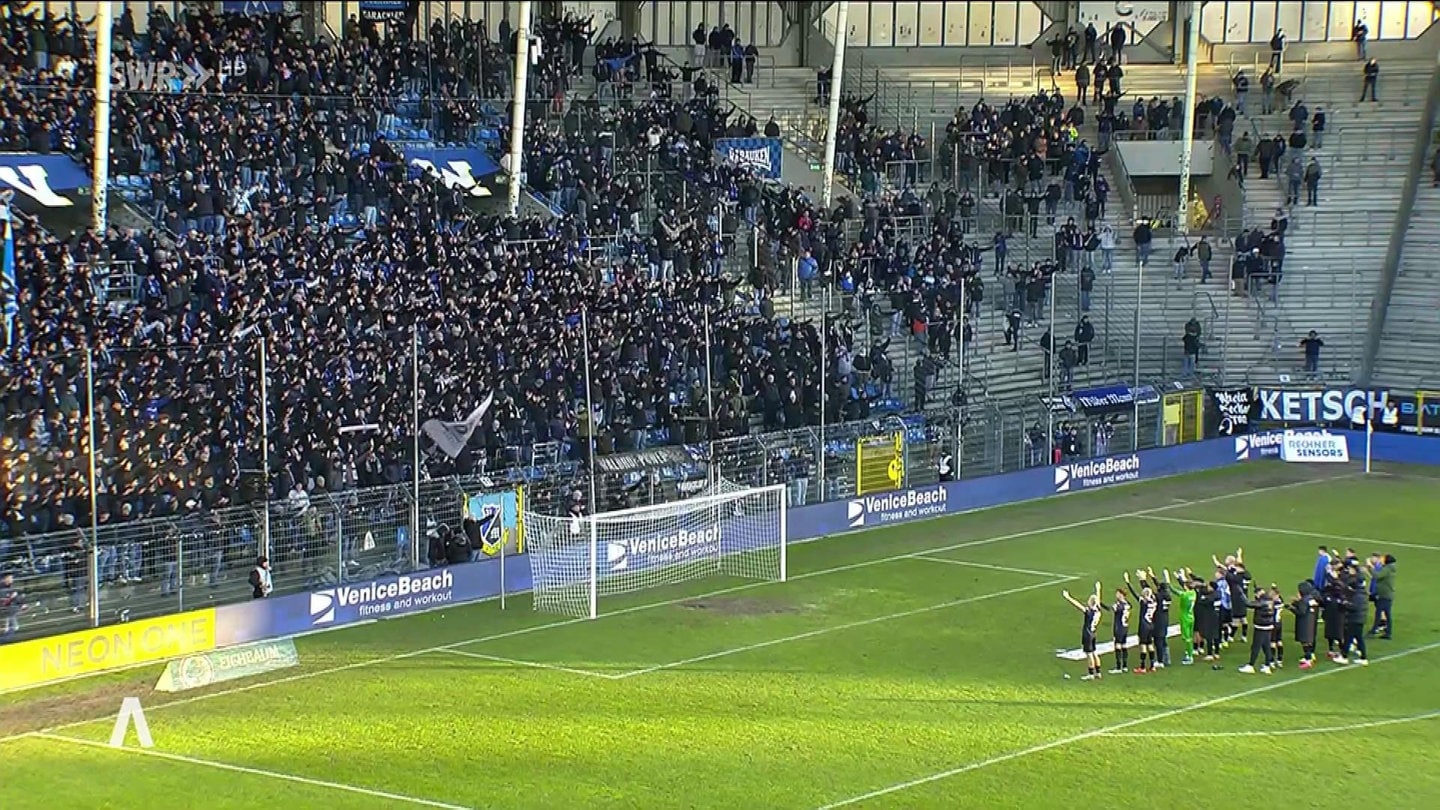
(1245,527)
(1110,730)
(260,772)
(967,563)
(533,664)
(822,631)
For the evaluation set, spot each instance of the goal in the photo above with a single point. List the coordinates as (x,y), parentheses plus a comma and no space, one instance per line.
(726,530)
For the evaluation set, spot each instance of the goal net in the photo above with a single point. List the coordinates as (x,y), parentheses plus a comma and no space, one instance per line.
(726,530)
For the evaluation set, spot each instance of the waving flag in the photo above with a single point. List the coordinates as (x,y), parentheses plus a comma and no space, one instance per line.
(9,285)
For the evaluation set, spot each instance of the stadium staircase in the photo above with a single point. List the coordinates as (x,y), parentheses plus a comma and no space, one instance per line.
(1410,341)
(1335,251)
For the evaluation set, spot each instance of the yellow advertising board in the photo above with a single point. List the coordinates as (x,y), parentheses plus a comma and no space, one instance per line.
(31,663)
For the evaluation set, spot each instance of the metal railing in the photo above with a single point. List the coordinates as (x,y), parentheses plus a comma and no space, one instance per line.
(1328,80)
(972,81)
(127,571)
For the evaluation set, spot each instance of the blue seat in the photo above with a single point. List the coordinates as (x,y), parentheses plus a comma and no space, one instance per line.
(423,134)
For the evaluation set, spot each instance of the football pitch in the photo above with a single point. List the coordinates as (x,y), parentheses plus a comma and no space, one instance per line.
(906,667)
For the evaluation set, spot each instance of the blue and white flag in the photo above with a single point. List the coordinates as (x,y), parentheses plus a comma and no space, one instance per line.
(9,284)
(761,155)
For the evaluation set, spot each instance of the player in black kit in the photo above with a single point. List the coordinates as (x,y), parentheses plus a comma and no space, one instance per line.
(1306,607)
(1147,605)
(1121,629)
(1209,619)
(1277,638)
(1089,627)
(1160,640)
(1264,609)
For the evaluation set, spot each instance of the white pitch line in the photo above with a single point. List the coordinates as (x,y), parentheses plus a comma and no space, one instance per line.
(277,775)
(839,627)
(1111,729)
(1286,732)
(969,564)
(369,662)
(533,664)
(1339,538)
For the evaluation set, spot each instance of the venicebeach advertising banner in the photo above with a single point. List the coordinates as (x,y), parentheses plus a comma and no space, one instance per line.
(188,634)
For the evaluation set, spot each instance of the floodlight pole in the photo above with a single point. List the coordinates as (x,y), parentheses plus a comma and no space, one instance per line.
(100,162)
(1187,142)
(517,109)
(590,454)
(837,70)
(415,436)
(264,451)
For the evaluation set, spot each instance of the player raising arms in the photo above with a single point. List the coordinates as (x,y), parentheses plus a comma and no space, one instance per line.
(1088,627)
(1145,601)
(1186,596)
(1121,628)
(1160,643)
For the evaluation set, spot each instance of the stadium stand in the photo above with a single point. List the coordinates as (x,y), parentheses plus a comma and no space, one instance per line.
(289,212)
(1411,337)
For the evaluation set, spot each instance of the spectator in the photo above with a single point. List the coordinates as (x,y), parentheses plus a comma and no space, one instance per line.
(1143,236)
(1277,50)
(1372,75)
(11,603)
(1317,127)
(1190,344)
(1312,183)
(1359,33)
(1204,253)
(1312,344)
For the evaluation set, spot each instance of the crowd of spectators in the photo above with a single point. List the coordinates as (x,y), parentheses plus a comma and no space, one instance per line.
(494,304)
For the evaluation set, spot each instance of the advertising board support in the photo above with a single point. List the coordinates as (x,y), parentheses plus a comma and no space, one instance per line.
(264,452)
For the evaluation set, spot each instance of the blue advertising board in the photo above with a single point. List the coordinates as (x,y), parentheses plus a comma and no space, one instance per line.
(427,590)
(761,155)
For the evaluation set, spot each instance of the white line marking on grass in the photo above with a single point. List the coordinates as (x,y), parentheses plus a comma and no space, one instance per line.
(533,664)
(847,626)
(1111,729)
(1287,732)
(283,777)
(968,564)
(1339,538)
(369,662)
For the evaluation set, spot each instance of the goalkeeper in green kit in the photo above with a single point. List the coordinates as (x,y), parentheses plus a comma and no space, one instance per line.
(1186,594)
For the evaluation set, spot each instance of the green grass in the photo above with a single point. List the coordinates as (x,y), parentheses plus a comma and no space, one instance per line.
(932,683)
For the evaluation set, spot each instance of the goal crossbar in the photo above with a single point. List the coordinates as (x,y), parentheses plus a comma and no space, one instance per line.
(726,531)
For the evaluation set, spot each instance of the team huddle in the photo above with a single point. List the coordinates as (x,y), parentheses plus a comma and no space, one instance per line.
(1214,613)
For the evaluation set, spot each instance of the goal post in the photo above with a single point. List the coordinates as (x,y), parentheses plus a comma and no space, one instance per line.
(727,530)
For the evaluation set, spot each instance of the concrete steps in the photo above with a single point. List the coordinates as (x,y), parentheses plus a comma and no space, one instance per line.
(1410,342)
(1335,250)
